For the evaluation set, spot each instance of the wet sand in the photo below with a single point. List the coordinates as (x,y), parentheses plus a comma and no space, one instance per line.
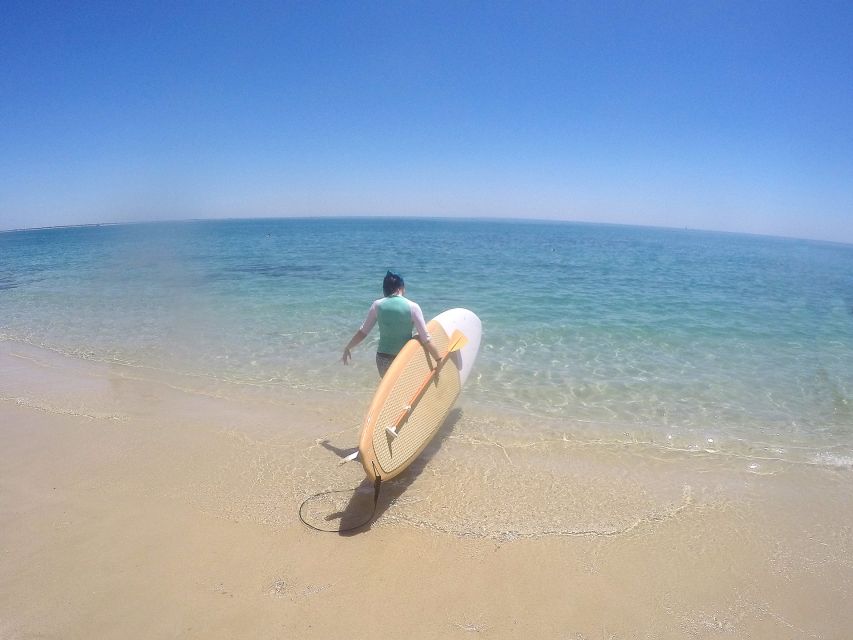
(133,505)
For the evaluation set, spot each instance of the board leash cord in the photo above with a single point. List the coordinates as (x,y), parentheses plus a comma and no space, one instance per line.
(377,486)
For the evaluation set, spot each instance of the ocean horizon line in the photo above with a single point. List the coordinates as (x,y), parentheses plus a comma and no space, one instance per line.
(422,218)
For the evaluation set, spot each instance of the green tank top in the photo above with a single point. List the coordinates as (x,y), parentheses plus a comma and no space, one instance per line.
(394,317)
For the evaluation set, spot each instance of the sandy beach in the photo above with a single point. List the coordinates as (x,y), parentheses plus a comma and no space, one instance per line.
(138,507)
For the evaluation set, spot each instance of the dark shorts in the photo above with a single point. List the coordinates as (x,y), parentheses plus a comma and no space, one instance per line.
(383,361)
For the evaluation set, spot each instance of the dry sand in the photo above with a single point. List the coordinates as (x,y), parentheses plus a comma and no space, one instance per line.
(135,507)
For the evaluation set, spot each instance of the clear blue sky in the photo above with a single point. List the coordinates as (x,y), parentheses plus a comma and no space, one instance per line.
(717,115)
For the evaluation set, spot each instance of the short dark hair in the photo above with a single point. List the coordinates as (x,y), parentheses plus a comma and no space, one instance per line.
(392,283)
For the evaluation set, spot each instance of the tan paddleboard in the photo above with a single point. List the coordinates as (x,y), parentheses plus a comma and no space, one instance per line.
(412,401)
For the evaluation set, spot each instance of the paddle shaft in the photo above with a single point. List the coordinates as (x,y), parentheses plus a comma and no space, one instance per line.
(458,341)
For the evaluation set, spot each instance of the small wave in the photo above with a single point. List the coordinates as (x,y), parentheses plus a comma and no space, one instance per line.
(62,411)
(837,461)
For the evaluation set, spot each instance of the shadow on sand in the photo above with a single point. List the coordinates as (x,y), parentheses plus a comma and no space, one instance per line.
(361,503)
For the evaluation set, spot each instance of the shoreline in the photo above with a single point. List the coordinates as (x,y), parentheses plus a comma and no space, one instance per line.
(132,508)
(527,427)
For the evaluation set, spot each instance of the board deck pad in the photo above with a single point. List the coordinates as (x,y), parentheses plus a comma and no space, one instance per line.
(401,383)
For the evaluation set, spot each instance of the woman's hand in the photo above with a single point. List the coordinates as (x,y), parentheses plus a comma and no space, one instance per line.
(356,340)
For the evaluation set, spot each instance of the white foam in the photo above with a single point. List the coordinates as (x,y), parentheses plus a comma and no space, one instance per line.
(834,460)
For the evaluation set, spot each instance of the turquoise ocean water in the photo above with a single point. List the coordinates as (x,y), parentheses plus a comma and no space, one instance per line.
(656,334)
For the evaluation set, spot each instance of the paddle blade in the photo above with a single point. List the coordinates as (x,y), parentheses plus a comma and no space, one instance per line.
(457,341)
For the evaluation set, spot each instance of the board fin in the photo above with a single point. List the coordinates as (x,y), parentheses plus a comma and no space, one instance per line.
(349,458)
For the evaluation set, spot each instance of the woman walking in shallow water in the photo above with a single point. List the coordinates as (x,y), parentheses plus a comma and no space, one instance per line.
(396,316)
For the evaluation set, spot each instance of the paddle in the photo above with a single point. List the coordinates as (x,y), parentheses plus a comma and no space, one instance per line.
(457,341)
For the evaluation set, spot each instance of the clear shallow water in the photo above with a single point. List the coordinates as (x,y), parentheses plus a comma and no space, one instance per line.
(664,335)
